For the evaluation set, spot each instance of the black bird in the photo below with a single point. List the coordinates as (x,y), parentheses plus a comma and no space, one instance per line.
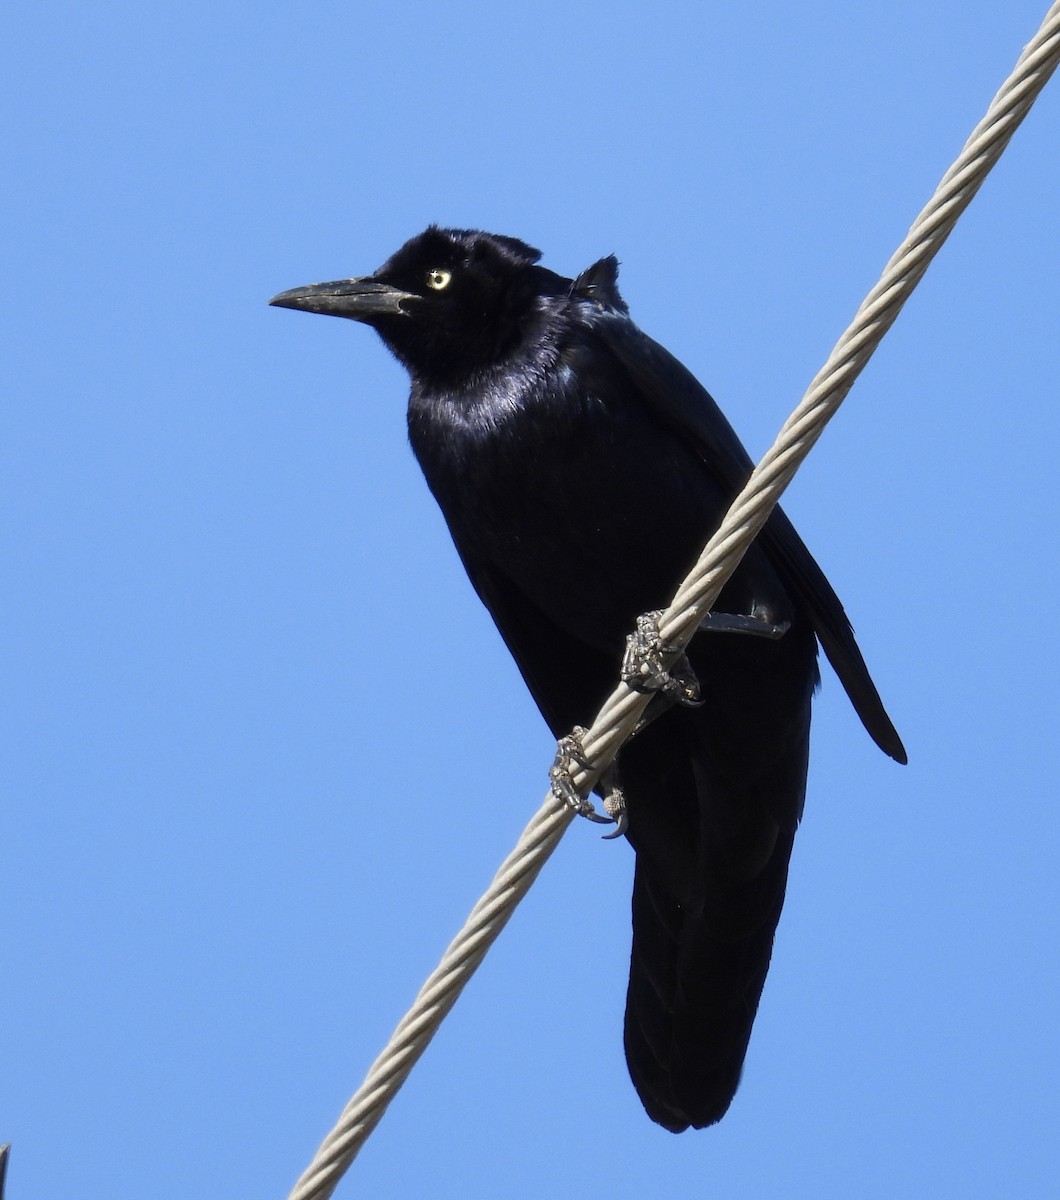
(580,467)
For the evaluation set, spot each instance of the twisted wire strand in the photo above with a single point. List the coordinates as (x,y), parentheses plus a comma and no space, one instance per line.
(690,604)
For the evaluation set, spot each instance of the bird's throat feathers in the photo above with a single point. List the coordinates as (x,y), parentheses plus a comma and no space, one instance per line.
(498,414)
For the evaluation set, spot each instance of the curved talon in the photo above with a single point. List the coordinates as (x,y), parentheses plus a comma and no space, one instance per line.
(614,803)
(621,825)
(590,814)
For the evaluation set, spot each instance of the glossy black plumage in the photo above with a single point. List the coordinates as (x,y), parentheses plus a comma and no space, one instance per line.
(580,468)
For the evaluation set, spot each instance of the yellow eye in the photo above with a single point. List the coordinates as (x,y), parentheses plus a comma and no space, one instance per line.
(439,278)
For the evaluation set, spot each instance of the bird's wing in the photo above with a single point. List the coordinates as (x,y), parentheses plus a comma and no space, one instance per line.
(568,678)
(680,400)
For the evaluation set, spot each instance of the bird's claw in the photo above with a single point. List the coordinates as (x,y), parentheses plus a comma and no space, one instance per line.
(615,807)
(643,664)
(570,751)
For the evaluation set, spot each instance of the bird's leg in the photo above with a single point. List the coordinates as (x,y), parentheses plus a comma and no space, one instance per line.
(755,624)
(642,663)
(643,669)
(570,752)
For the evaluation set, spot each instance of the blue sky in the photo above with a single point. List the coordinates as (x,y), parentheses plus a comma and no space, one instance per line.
(261,749)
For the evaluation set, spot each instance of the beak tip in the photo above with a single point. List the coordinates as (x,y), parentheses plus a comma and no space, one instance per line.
(287,299)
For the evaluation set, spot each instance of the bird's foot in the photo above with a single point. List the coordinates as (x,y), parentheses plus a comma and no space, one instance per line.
(570,752)
(756,624)
(614,803)
(643,669)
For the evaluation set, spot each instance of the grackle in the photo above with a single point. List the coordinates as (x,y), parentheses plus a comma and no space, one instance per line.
(580,467)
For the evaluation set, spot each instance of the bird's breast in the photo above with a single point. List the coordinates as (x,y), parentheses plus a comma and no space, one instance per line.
(591,510)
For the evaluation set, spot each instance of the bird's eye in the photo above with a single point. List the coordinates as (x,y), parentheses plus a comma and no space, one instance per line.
(439,278)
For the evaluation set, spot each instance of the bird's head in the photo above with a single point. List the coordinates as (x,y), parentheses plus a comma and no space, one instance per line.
(450,302)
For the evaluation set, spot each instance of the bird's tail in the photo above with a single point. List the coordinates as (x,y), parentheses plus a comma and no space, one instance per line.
(696,976)
(699,962)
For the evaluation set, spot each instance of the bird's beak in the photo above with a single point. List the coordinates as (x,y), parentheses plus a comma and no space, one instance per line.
(357,299)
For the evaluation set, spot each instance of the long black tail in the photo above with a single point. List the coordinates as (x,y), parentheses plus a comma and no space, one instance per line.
(696,975)
(715,797)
